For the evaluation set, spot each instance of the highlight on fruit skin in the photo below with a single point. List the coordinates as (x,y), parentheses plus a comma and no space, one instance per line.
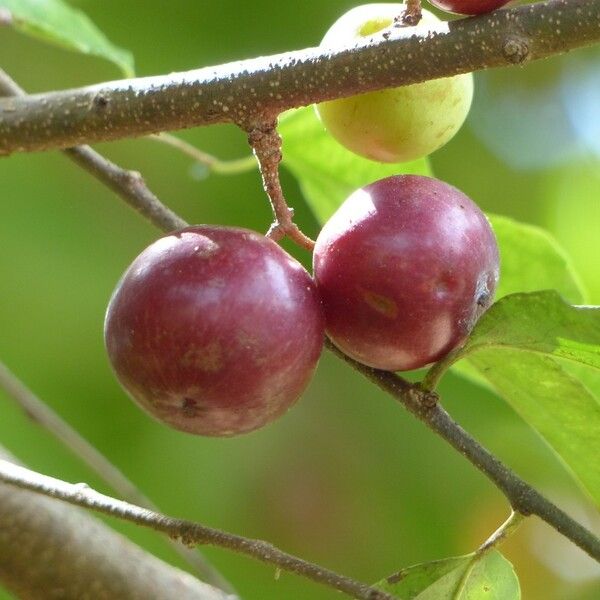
(214,330)
(405,267)
(398,124)
(469,7)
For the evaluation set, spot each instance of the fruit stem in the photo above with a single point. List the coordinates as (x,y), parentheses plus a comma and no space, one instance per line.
(411,16)
(438,369)
(266,145)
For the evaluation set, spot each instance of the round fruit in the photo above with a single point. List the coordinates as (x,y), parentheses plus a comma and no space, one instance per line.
(405,267)
(214,330)
(397,124)
(469,7)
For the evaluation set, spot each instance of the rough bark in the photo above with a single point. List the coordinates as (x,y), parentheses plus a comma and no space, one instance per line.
(252,92)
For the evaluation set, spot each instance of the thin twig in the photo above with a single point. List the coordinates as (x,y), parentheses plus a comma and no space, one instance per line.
(266,86)
(40,413)
(129,185)
(266,145)
(214,164)
(188,532)
(522,497)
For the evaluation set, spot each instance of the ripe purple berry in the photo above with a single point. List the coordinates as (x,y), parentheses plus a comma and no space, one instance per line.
(214,330)
(405,267)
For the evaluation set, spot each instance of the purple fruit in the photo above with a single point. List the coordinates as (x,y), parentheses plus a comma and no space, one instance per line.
(214,330)
(469,7)
(405,267)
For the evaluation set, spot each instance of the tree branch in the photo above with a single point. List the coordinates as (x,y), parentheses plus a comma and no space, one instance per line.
(129,185)
(257,90)
(51,550)
(188,532)
(523,498)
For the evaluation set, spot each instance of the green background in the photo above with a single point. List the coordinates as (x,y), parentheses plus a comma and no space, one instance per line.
(346,478)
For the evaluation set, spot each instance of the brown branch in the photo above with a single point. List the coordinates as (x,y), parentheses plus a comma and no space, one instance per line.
(523,498)
(188,532)
(259,89)
(51,550)
(129,185)
(266,144)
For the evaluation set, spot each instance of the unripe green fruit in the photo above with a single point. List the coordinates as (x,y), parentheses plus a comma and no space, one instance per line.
(397,124)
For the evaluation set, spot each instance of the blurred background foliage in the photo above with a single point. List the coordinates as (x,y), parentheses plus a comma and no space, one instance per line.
(347,478)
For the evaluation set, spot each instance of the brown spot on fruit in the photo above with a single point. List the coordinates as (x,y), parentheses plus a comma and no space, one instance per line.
(206,358)
(382,304)
(190,407)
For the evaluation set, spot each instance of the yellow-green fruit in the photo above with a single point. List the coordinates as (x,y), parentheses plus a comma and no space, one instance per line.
(397,124)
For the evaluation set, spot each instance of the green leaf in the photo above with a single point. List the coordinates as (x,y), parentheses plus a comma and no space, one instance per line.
(544,390)
(56,22)
(516,347)
(410,582)
(540,322)
(556,404)
(491,577)
(326,171)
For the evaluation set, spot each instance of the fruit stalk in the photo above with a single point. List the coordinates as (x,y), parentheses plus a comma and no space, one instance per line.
(266,145)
